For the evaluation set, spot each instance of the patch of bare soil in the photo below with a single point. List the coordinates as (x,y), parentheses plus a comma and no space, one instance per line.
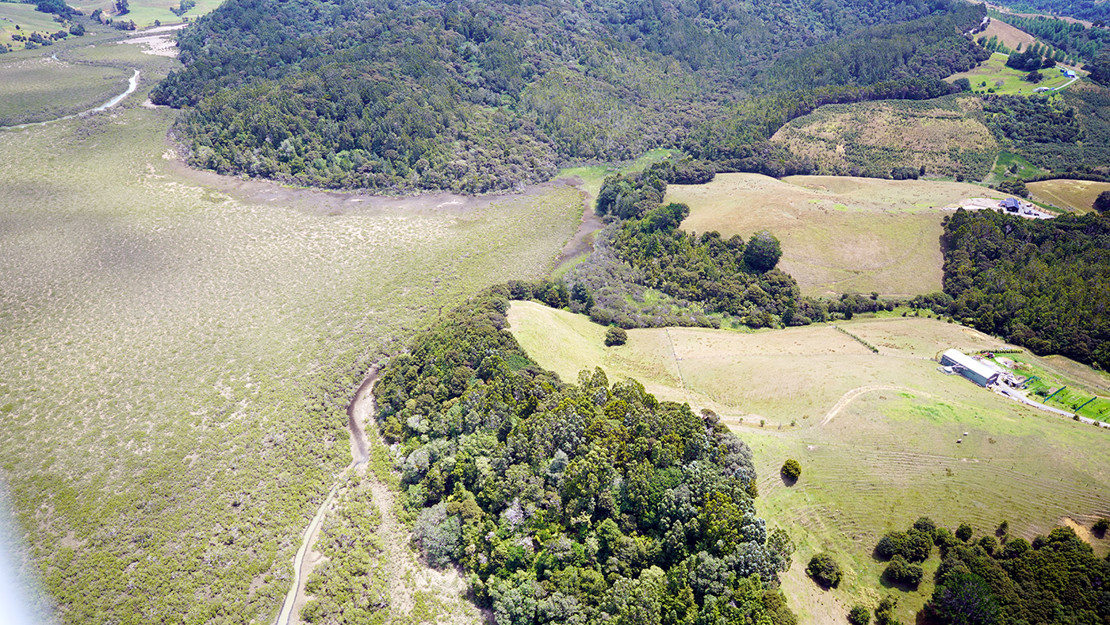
(1082,531)
(157,41)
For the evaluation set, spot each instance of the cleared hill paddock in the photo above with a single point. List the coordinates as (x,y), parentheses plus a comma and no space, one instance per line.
(875,434)
(1071,195)
(838,234)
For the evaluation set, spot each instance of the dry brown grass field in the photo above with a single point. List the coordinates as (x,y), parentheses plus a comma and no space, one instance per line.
(838,234)
(1071,195)
(871,138)
(1008,35)
(876,434)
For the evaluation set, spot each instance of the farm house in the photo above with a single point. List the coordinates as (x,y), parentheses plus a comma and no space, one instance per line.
(977,371)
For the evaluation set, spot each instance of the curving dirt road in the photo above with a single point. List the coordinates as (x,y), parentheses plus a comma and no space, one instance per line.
(853,394)
(358,411)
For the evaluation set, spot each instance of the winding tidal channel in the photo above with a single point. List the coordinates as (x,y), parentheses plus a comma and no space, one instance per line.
(132,84)
(358,411)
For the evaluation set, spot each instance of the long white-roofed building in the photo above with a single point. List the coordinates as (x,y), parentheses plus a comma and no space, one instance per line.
(977,371)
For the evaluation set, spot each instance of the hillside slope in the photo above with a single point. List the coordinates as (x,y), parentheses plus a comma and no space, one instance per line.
(477,97)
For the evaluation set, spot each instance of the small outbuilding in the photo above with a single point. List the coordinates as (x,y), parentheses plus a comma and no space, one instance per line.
(1011,205)
(977,371)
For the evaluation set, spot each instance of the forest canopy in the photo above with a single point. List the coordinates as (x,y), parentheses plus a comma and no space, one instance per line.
(573,503)
(1042,284)
(484,96)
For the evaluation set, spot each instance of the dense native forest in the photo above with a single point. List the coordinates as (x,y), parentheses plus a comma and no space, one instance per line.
(1056,579)
(483,96)
(1044,285)
(999,578)
(573,503)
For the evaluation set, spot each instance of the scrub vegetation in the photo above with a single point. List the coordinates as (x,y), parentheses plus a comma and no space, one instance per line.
(178,352)
(938,137)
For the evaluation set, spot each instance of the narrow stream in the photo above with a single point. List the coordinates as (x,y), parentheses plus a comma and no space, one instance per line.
(132,84)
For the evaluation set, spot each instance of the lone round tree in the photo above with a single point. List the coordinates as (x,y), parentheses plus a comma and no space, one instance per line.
(615,336)
(791,470)
(1102,202)
(824,570)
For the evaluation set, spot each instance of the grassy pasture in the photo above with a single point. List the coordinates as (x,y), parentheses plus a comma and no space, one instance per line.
(27,18)
(872,138)
(993,74)
(838,234)
(35,89)
(875,434)
(1071,195)
(145,12)
(177,350)
(1009,165)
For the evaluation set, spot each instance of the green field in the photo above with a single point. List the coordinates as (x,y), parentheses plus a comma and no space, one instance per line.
(1009,166)
(838,234)
(593,175)
(145,12)
(994,77)
(875,434)
(27,18)
(177,350)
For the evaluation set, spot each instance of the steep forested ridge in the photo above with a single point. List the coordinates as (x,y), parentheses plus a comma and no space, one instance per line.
(574,503)
(1044,285)
(482,96)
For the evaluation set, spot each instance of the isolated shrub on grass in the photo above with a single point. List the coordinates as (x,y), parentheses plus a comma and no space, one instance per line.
(859,615)
(1100,527)
(824,570)
(615,336)
(791,470)
(899,571)
(884,614)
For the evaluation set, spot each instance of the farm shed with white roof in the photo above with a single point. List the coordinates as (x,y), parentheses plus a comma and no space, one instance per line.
(977,371)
